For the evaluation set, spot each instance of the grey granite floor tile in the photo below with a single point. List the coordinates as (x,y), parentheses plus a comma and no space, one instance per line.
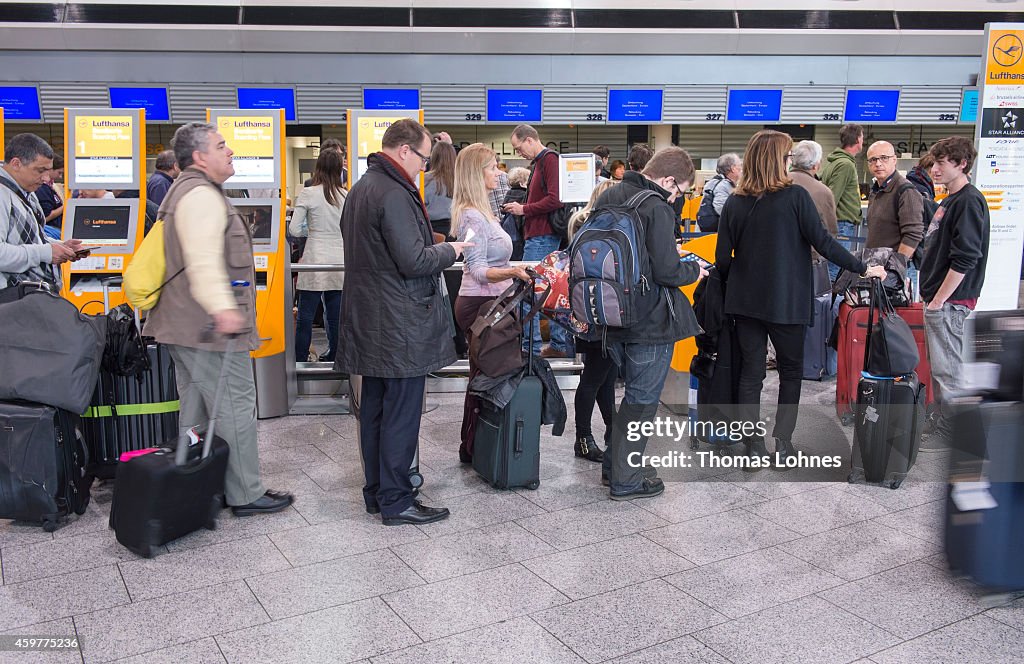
(340,450)
(203,651)
(685,650)
(55,597)
(720,536)
(476,510)
(518,641)
(231,527)
(323,585)
(911,493)
(339,634)
(308,433)
(95,519)
(59,629)
(443,435)
(279,460)
(167,621)
(36,561)
(205,566)
(807,631)
(439,457)
(752,582)
(860,550)
(327,506)
(925,522)
(683,501)
(567,529)
(471,551)
(908,601)
(625,620)
(452,482)
(345,426)
(771,486)
(296,482)
(287,422)
(19,533)
(976,639)
(597,568)
(333,476)
(817,511)
(337,539)
(471,601)
(567,490)
(1010,614)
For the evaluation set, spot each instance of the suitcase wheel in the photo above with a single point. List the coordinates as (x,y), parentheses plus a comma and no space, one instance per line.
(80,510)
(532,486)
(895,483)
(49,525)
(146,551)
(416,479)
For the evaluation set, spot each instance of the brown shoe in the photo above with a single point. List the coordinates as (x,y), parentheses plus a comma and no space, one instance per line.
(550,353)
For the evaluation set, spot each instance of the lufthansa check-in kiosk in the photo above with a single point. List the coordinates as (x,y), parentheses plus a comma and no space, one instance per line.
(104,149)
(256,136)
(366,131)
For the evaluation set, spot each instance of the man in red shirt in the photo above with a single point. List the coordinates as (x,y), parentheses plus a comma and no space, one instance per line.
(541,201)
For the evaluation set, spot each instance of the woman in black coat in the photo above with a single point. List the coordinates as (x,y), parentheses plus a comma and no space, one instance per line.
(765,235)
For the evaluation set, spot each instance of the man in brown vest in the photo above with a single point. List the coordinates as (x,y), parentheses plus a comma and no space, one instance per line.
(212,281)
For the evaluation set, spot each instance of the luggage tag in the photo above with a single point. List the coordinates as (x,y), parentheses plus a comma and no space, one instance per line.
(973,496)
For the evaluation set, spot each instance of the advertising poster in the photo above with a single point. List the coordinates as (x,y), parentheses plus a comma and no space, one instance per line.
(576,177)
(252,139)
(103,149)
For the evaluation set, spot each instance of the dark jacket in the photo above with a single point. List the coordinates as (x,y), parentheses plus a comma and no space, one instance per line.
(394,322)
(499,392)
(671,317)
(764,255)
(922,180)
(49,201)
(957,239)
(157,186)
(894,214)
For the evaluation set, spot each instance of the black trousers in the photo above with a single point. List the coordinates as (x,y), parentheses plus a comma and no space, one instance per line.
(389,431)
(597,385)
(753,335)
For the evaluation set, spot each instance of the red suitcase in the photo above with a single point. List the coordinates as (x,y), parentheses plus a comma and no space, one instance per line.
(853,330)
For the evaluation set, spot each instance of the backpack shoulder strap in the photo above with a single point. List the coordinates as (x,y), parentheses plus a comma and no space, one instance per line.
(636,199)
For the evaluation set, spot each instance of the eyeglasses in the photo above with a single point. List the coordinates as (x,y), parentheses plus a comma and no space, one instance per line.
(881,159)
(789,155)
(426,160)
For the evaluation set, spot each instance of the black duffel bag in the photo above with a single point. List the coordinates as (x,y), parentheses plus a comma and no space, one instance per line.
(49,352)
(891,347)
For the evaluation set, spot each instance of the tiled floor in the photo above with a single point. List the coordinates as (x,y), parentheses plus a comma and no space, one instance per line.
(731,567)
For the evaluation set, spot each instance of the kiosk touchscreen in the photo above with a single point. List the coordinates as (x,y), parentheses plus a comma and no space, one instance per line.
(104,226)
(262,217)
(366,130)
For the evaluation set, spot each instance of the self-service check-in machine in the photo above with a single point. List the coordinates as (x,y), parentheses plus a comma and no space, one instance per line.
(104,149)
(257,139)
(366,131)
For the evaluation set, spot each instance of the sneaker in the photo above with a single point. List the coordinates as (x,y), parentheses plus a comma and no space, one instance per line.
(549,353)
(649,488)
(586,448)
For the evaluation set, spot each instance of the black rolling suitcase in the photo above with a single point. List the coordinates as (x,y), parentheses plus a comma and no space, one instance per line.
(169,493)
(42,464)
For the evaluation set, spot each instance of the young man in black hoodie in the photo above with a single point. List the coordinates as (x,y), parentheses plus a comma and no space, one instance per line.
(644,350)
(953,270)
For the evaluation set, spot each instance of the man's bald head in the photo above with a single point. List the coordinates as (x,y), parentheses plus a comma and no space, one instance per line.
(881,160)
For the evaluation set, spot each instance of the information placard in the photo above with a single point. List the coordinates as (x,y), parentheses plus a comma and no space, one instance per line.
(254,140)
(382,99)
(20,103)
(103,150)
(268,98)
(153,100)
(969,107)
(747,105)
(871,105)
(634,105)
(505,105)
(577,177)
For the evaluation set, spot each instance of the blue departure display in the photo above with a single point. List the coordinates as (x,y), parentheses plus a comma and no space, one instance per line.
(514,105)
(153,100)
(969,106)
(754,105)
(871,105)
(634,105)
(384,99)
(262,98)
(20,103)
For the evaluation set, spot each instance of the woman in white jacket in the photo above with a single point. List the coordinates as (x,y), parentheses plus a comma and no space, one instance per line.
(317,216)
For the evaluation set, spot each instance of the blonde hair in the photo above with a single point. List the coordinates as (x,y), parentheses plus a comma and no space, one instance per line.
(764,164)
(470,192)
(580,216)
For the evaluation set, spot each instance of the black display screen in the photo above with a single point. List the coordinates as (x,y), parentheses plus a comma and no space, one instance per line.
(102,225)
(260,220)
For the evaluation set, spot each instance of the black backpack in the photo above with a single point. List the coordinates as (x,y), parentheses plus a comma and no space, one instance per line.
(707,218)
(928,210)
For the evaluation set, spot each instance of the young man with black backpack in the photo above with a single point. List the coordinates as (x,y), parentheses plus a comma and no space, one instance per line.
(640,311)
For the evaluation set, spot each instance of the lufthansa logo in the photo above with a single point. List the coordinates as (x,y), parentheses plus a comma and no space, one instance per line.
(1007,50)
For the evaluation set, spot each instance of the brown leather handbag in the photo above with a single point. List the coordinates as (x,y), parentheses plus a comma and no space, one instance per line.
(497,341)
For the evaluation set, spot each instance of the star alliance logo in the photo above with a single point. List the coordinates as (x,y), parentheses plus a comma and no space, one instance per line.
(1009,120)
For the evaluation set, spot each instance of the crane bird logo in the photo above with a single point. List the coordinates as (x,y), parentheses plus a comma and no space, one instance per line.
(1007,50)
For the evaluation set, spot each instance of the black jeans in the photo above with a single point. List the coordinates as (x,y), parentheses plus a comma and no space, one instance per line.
(753,335)
(597,385)
(389,430)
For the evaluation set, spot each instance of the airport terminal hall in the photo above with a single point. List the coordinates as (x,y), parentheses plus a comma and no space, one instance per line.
(552,332)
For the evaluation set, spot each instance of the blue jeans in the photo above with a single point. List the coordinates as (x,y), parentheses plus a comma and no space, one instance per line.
(535,249)
(644,368)
(847,229)
(308,301)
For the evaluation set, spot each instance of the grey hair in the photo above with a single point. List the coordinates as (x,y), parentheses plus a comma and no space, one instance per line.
(806,154)
(189,138)
(727,162)
(27,148)
(518,175)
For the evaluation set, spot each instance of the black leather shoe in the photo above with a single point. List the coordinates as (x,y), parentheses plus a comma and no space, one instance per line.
(756,448)
(372,509)
(605,480)
(649,488)
(586,448)
(268,503)
(418,514)
(465,457)
(784,450)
